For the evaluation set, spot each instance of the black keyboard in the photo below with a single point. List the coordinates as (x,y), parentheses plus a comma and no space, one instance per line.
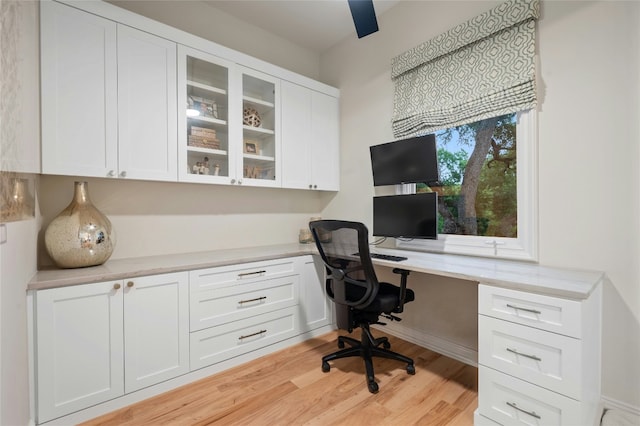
(385,257)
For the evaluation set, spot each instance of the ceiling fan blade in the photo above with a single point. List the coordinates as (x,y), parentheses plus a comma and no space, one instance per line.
(364,17)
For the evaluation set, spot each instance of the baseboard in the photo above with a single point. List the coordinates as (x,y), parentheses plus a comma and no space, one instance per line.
(431,342)
(613,404)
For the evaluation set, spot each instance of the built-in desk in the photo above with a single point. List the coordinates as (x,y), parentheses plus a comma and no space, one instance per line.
(538,327)
(517,275)
(539,337)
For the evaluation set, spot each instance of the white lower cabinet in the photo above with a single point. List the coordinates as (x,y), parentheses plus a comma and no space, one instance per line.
(156,329)
(95,342)
(315,307)
(511,401)
(98,342)
(239,308)
(215,344)
(539,358)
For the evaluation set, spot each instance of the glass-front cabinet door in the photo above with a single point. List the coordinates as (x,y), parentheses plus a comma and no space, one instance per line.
(205,134)
(260,150)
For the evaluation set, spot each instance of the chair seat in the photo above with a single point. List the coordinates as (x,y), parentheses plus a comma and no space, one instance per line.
(386,300)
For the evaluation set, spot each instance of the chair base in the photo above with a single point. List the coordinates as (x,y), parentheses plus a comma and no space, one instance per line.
(367,348)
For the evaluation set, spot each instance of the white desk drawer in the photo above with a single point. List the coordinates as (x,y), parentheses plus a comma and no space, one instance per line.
(510,401)
(547,359)
(216,344)
(227,276)
(544,312)
(215,306)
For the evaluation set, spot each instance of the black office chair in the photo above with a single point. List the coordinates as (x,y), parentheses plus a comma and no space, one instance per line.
(360,299)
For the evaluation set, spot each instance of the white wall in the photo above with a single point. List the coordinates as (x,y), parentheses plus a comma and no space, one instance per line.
(203,20)
(588,155)
(152,218)
(19,148)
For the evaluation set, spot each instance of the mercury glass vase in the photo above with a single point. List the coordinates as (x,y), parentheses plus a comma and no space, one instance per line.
(80,235)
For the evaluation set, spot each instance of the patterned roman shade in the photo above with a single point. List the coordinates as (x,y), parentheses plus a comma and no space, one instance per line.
(482,68)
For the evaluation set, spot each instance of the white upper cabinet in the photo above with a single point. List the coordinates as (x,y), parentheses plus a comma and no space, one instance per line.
(147,106)
(310,139)
(108,98)
(206,128)
(296,136)
(79,92)
(125,97)
(260,145)
(325,142)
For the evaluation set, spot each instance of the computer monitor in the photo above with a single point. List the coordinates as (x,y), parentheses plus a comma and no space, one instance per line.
(413,160)
(408,216)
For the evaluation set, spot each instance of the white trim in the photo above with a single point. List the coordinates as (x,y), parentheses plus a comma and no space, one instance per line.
(437,344)
(614,404)
(525,246)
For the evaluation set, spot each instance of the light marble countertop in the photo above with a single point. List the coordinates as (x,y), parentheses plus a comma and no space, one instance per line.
(517,275)
(152,265)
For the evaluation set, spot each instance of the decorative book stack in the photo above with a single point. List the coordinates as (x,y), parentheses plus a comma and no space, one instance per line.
(203,137)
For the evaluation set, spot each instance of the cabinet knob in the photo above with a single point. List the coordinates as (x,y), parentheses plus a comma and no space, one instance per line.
(239,181)
(116,286)
(111,173)
(123,174)
(233,181)
(130,284)
(315,186)
(310,186)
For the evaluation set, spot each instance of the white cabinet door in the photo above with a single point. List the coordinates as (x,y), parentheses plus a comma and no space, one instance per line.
(147,106)
(315,306)
(156,329)
(79,347)
(325,142)
(296,136)
(259,148)
(79,92)
(310,139)
(206,128)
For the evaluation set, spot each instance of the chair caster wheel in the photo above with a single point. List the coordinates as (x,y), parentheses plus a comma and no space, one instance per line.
(373,387)
(326,367)
(411,369)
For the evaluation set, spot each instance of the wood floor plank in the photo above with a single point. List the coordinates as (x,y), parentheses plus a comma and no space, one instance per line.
(289,388)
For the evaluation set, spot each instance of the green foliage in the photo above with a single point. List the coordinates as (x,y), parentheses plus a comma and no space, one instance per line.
(496,200)
(452,165)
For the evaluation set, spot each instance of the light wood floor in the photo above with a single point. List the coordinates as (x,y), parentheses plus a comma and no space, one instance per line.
(289,388)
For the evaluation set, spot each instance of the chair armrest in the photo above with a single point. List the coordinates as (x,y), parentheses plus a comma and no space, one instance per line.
(403,288)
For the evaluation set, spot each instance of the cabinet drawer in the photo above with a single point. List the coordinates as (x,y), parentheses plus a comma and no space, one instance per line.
(216,344)
(544,312)
(540,357)
(510,401)
(227,276)
(215,306)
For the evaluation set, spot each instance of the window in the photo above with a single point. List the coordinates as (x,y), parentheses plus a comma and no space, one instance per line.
(488,198)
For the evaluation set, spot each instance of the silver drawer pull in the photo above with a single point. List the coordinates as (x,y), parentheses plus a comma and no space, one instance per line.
(520,308)
(531,413)
(524,355)
(257,299)
(252,334)
(245,274)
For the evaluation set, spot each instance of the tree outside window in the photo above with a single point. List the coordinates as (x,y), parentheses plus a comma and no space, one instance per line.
(478,176)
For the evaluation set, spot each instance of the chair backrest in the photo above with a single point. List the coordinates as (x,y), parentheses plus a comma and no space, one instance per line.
(344,248)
